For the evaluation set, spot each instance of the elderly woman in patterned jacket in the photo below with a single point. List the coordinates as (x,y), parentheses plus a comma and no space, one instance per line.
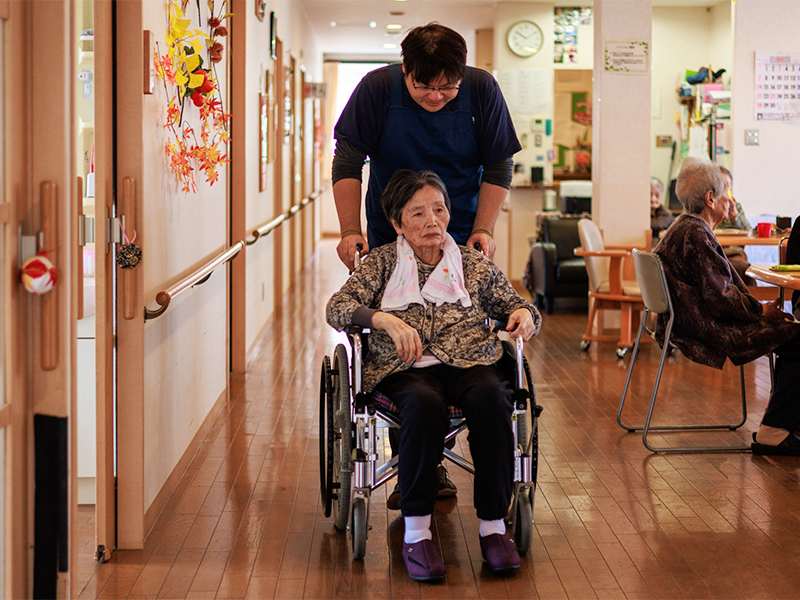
(716,317)
(426,301)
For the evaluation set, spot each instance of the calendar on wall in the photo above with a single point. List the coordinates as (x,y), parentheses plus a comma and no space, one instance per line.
(777,87)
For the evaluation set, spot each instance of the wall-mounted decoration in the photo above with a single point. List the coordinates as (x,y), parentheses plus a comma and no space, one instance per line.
(188,76)
(261,9)
(565,31)
(288,113)
(263,140)
(273,36)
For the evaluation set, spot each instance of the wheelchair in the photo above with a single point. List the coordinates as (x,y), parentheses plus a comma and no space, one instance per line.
(349,421)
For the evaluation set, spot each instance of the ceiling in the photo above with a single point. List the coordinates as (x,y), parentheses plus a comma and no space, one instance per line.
(353,35)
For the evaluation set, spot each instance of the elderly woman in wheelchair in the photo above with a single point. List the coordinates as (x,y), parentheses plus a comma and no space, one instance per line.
(426,301)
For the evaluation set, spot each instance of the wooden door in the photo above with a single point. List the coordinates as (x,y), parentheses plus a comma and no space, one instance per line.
(106,484)
(14,421)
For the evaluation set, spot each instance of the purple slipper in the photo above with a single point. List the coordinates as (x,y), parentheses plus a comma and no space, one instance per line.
(499,552)
(423,561)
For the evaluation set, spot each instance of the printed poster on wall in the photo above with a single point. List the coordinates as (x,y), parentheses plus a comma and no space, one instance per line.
(777,83)
(630,56)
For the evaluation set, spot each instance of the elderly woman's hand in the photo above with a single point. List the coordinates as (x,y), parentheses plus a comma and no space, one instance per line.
(405,338)
(520,323)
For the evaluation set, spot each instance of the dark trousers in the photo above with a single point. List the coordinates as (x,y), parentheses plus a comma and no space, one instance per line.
(484,396)
(783,410)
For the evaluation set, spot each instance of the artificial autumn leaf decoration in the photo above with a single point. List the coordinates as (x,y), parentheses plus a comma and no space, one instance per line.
(185,76)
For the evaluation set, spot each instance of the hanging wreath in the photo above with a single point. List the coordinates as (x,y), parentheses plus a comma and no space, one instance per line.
(186,77)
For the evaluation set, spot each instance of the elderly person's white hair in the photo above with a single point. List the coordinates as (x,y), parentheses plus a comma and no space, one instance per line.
(697,176)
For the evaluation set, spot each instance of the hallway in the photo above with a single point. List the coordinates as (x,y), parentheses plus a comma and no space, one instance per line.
(611,519)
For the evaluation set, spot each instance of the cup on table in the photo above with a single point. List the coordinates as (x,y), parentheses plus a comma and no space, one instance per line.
(764,229)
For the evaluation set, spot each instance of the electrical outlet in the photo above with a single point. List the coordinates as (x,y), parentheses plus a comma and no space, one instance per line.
(752,137)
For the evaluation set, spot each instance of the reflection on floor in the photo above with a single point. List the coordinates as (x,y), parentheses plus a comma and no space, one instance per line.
(611,519)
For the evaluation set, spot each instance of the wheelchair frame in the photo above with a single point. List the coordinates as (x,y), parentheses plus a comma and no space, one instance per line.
(349,423)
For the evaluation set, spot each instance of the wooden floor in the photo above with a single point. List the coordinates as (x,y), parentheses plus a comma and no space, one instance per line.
(611,519)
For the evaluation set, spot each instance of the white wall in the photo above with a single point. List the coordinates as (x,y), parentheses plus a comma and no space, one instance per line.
(766,175)
(299,42)
(185,350)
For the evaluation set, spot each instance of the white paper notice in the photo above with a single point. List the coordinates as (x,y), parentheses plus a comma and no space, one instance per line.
(528,91)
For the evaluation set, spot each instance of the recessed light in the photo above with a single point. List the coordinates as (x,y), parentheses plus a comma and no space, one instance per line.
(373,24)
(333,23)
(394,26)
(390,46)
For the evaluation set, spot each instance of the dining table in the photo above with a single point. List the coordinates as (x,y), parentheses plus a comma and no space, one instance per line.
(737,237)
(784,279)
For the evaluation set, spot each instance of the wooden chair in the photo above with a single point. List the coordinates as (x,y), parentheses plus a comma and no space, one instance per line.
(607,289)
(655,294)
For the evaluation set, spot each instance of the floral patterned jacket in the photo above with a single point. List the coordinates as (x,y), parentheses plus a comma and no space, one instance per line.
(715,316)
(455,335)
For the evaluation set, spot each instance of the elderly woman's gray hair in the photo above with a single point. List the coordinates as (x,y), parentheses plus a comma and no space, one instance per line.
(402,185)
(656,182)
(697,176)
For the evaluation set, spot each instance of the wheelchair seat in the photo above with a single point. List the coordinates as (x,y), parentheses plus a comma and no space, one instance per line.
(382,401)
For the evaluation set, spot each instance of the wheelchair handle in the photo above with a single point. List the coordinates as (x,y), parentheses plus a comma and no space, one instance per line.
(357,257)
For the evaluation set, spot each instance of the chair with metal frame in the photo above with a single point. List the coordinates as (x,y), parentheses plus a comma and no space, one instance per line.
(655,293)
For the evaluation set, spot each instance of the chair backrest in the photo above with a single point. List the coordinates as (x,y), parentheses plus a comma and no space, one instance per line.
(652,282)
(591,240)
(564,234)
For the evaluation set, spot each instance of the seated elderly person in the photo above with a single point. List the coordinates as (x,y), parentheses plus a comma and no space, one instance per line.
(426,301)
(716,317)
(660,216)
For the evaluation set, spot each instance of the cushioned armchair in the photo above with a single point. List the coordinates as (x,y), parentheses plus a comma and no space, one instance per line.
(557,272)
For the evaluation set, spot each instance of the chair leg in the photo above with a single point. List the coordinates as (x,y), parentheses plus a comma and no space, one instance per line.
(667,428)
(626,309)
(592,315)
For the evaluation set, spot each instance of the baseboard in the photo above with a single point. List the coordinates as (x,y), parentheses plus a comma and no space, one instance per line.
(171,484)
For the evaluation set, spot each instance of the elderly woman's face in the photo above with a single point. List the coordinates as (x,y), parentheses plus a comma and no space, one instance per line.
(425,218)
(655,197)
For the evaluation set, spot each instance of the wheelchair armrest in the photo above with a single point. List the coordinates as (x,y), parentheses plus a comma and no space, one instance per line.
(355,329)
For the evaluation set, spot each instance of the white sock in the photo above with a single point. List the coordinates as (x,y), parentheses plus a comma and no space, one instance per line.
(492,527)
(417,529)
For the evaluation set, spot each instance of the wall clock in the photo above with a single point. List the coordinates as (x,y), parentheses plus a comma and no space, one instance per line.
(525,38)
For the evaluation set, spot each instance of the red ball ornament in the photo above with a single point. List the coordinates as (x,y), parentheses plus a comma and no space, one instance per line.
(38,274)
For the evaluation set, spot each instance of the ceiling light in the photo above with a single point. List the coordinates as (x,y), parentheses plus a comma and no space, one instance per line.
(373,24)
(333,23)
(390,46)
(394,26)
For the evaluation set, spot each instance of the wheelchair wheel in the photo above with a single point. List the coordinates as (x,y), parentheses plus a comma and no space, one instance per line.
(358,528)
(339,432)
(325,442)
(523,523)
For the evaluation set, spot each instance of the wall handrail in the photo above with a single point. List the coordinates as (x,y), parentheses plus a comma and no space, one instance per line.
(270,226)
(197,277)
